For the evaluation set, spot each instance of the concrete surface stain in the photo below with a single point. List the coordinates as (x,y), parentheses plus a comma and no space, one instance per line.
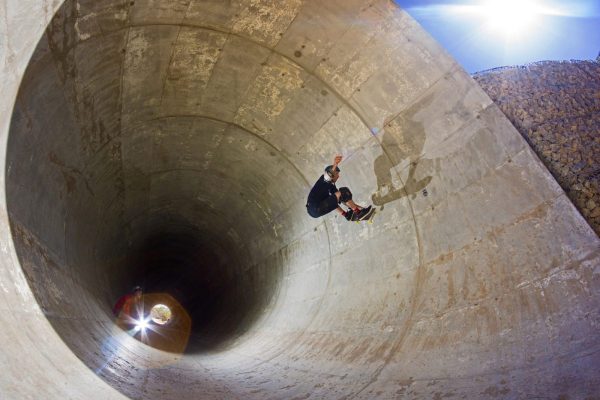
(59,37)
(403,138)
(93,130)
(36,257)
(358,350)
(262,18)
(271,93)
(306,396)
(495,392)
(440,396)
(70,181)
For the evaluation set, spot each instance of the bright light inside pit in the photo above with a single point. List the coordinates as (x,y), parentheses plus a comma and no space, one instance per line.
(160,314)
(141,324)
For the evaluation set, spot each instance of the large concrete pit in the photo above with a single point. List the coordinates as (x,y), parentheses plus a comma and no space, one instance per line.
(173,143)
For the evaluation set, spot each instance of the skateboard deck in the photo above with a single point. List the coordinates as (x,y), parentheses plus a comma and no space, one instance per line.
(369,217)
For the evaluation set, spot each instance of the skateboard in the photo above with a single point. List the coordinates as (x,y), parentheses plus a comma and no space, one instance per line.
(369,217)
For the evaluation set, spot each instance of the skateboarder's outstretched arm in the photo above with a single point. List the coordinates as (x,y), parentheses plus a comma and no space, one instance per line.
(337,160)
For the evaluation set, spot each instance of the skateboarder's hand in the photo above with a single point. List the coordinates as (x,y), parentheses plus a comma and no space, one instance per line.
(337,160)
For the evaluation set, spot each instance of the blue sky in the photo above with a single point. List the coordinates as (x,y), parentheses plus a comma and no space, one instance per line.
(480,39)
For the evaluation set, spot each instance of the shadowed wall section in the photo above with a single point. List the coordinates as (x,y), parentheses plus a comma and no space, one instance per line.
(172,144)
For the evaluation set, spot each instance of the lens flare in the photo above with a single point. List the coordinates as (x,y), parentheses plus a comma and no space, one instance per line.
(510,17)
(159,321)
(141,324)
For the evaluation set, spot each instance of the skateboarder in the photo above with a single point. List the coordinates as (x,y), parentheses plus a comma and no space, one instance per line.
(325,197)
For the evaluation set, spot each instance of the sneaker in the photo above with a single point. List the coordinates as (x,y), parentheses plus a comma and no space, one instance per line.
(349,215)
(362,214)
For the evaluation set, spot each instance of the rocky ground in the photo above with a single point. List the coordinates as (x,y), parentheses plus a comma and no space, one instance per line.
(556,107)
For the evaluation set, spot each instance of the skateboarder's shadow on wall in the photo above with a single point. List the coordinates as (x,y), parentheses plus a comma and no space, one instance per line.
(403,139)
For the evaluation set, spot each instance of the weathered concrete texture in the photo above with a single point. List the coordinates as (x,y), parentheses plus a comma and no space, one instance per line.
(173,144)
(556,107)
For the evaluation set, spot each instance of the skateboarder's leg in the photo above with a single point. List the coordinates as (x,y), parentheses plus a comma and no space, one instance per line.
(346,198)
(353,205)
(362,214)
(328,205)
(349,215)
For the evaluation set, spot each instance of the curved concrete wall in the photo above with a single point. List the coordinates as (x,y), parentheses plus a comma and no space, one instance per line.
(199,127)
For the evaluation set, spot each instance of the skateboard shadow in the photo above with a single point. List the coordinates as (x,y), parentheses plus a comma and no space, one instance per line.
(411,187)
(403,139)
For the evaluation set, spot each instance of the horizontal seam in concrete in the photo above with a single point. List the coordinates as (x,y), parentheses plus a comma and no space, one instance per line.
(272,218)
(249,39)
(196,116)
(455,67)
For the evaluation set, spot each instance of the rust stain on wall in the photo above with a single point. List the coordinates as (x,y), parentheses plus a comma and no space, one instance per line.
(70,181)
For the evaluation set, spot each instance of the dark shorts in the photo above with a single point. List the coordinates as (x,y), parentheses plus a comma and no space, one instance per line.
(324,207)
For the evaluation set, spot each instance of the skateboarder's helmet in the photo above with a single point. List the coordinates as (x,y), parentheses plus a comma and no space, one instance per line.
(328,175)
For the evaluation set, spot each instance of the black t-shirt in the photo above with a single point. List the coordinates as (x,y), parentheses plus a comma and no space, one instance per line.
(320,191)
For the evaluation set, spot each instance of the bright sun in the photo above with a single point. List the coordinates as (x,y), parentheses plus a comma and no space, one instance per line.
(510,18)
